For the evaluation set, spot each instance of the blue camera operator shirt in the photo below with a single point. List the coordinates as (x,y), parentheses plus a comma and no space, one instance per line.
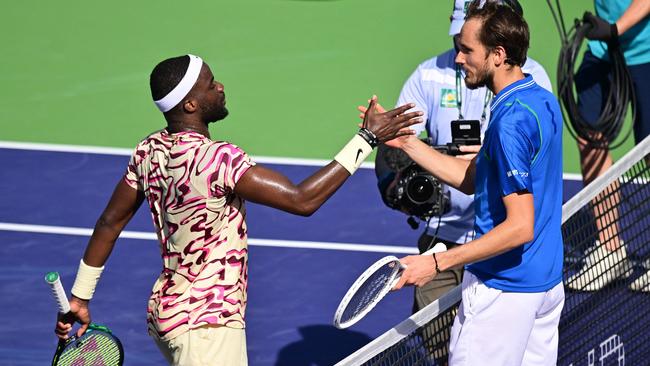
(522,151)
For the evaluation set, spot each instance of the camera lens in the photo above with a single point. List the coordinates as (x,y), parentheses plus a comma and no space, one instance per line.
(420,189)
(419,193)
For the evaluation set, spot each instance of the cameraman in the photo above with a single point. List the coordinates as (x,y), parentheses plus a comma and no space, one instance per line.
(437,88)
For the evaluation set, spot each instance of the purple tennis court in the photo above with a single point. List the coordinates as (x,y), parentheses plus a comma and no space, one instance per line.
(300,267)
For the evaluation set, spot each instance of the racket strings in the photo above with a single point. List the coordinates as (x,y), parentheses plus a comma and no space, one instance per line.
(370,290)
(95,349)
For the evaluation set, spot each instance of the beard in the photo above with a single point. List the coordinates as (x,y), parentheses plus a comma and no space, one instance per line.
(482,77)
(215,113)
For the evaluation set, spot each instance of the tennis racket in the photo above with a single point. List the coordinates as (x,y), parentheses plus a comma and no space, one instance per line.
(373,284)
(97,346)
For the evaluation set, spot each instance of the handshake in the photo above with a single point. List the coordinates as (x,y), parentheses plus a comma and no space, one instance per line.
(407,187)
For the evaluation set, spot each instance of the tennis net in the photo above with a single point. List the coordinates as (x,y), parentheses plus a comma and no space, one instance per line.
(606,315)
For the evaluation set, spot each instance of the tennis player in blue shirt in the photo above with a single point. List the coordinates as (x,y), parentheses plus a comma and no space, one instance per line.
(512,293)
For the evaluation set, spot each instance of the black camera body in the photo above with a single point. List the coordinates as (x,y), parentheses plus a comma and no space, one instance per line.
(420,194)
(417,191)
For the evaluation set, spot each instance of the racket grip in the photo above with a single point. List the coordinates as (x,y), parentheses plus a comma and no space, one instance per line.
(440,247)
(54,281)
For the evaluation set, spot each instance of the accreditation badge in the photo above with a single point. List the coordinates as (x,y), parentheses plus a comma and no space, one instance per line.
(448,98)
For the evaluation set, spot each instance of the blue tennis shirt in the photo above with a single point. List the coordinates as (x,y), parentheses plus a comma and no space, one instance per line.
(522,151)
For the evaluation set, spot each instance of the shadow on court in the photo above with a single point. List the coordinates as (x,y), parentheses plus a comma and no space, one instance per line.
(308,351)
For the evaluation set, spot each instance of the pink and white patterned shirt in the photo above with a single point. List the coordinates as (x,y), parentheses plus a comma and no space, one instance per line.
(189,182)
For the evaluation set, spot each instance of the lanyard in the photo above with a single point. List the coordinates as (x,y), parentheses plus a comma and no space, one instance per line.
(459,98)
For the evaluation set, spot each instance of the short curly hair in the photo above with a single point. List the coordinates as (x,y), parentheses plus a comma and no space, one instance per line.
(166,75)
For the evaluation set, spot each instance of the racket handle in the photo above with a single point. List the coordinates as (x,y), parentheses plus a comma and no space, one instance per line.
(440,247)
(54,281)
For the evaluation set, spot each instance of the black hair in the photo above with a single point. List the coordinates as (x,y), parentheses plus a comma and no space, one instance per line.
(166,75)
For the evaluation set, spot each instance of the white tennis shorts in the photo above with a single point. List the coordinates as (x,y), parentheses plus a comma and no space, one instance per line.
(495,327)
(208,345)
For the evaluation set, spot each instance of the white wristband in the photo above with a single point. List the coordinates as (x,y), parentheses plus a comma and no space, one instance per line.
(86,281)
(353,154)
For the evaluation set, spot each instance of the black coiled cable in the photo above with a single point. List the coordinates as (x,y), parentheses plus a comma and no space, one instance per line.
(621,92)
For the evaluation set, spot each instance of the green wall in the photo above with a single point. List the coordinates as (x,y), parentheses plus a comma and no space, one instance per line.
(76,72)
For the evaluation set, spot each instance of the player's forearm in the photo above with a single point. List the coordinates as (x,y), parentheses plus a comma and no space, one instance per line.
(123,204)
(91,267)
(318,188)
(120,209)
(638,10)
(504,237)
(455,172)
(315,190)
(273,189)
(101,244)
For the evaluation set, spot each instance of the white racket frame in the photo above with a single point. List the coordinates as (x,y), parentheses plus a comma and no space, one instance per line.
(358,283)
(395,276)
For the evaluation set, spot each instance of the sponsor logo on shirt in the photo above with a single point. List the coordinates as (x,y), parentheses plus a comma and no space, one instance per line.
(515,172)
(448,98)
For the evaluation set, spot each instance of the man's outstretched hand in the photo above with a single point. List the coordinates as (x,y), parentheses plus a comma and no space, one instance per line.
(363,109)
(389,125)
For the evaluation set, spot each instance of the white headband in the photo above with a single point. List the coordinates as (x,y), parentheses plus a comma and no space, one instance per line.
(177,94)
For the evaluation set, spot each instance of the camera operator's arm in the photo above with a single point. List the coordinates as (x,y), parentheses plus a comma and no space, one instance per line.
(455,172)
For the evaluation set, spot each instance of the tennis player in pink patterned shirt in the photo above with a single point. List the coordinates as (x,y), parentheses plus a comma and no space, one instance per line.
(195,188)
(201,228)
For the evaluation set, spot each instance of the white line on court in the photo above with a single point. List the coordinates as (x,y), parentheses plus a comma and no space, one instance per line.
(77,231)
(127,152)
(151,236)
(571,176)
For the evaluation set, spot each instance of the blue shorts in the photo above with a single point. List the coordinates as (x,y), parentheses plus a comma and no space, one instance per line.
(592,84)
